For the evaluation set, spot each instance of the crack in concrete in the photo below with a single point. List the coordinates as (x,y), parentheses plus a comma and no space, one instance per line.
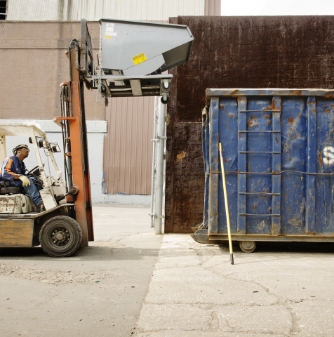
(203,255)
(279,301)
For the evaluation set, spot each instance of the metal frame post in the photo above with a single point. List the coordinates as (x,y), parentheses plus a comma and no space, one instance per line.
(154,160)
(159,183)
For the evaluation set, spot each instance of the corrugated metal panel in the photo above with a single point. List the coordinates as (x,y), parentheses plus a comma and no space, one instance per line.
(33,10)
(75,10)
(128,146)
(212,7)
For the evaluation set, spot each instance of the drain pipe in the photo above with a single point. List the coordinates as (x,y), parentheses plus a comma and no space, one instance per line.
(159,183)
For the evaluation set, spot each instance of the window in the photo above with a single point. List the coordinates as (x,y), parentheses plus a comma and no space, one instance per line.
(3,10)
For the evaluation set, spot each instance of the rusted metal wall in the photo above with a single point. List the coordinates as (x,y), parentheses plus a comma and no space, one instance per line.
(128,146)
(235,52)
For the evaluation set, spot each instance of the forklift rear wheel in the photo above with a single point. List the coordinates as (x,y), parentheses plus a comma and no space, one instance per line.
(60,236)
(247,246)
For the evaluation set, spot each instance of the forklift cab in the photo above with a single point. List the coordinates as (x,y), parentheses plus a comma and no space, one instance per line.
(55,229)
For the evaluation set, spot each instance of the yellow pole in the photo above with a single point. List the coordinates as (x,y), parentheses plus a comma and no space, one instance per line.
(226,205)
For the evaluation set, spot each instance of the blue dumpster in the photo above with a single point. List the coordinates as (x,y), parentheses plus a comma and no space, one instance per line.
(278,152)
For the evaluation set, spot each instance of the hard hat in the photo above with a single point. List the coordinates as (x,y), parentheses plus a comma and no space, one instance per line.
(18,147)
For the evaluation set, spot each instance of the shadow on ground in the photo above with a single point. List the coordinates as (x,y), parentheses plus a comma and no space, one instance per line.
(287,247)
(95,253)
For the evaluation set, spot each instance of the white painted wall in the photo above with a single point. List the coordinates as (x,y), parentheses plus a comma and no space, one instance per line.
(75,10)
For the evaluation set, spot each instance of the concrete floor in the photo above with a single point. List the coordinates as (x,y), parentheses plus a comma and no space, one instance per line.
(97,292)
(130,282)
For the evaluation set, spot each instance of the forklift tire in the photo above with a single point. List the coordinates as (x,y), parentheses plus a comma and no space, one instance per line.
(60,236)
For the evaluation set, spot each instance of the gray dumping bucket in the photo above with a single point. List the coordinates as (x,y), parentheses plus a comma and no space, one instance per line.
(135,48)
(134,54)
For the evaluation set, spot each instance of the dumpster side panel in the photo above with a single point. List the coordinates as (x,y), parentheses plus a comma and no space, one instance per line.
(278,154)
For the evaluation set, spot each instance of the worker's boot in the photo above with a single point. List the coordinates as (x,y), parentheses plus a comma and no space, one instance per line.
(40,207)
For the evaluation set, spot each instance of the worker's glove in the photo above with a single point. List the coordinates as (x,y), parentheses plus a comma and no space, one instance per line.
(25,180)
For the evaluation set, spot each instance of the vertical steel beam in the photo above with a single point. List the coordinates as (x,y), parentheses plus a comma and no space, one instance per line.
(154,160)
(159,185)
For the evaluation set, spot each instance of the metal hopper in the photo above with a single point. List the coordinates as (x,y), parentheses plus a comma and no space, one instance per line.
(134,54)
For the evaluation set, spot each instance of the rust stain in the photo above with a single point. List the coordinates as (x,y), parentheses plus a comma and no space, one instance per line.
(268,122)
(291,120)
(270,209)
(269,107)
(296,223)
(320,158)
(254,207)
(314,110)
(302,209)
(275,228)
(181,155)
(252,121)
(222,106)
(296,92)
(267,116)
(231,115)
(286,148)
(235,93)
(168,120)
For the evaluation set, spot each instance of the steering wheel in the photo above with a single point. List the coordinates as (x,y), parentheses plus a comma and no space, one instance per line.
(32,171)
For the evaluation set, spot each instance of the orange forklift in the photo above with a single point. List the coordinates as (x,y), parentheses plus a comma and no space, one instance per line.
(132,59)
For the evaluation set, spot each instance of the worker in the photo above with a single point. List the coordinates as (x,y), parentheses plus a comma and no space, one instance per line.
(14,170)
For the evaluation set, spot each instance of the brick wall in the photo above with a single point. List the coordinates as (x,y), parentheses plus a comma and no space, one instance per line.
(33,64)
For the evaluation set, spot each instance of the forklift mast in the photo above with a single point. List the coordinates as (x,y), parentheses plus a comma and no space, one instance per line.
(73,123)
(132,57)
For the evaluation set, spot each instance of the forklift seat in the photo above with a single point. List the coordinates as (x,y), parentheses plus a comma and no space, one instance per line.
(7,188)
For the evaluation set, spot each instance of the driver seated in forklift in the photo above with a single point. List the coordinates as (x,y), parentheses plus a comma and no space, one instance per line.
(14,170)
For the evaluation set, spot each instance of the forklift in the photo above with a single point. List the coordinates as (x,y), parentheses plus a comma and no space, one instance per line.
(132,61)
